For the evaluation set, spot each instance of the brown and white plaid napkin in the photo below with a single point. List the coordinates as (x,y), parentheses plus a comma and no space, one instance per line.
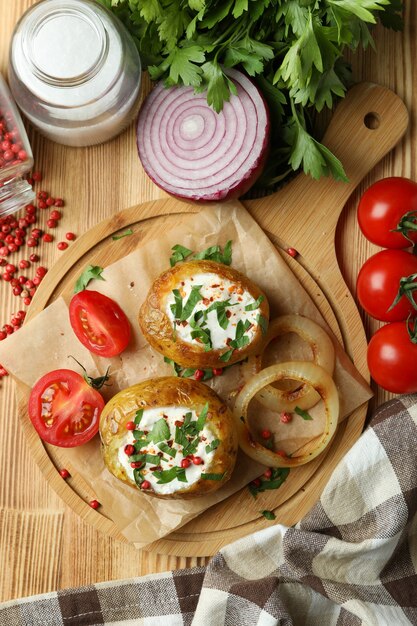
(352,561)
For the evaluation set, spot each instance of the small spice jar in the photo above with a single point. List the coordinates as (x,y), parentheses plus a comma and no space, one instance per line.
(15,156)
(74,71)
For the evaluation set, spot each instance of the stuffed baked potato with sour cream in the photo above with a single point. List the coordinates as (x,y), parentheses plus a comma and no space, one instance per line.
(203,314)
(169,437)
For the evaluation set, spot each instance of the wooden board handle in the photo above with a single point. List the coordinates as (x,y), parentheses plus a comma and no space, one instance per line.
(366,125)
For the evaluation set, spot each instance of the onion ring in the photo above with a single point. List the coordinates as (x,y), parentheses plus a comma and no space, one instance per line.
(304,372)
(323,355)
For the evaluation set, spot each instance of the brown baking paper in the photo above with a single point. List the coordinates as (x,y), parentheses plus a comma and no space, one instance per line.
(49,340)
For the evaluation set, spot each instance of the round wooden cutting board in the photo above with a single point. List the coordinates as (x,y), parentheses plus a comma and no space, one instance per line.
(304,215)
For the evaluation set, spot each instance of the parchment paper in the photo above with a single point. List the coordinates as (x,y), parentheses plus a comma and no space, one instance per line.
(49,339)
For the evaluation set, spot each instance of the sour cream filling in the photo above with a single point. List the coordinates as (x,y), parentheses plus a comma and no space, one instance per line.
(193,473)
(214,289)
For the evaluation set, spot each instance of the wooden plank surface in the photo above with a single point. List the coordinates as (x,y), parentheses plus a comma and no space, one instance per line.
(96,183)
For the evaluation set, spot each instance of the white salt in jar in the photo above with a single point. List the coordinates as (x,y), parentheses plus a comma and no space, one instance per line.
(74,71)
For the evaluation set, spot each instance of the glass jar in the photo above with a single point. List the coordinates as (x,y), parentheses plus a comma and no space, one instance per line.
(15,156)
(74,71)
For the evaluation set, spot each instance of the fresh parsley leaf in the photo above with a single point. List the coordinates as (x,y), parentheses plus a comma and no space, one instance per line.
(304,414)
(184,66)
(126,233)
(91,272)
(269,514)
(179,253)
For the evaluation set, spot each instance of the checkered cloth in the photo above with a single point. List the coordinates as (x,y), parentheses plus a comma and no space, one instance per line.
(351,561)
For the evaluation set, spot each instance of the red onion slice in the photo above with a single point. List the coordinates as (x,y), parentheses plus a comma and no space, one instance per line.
(192,152)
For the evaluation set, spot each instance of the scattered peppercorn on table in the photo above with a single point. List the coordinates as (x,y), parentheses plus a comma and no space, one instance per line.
(44,545)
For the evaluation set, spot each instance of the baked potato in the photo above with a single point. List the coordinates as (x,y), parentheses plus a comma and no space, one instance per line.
(169,437)
(203,314)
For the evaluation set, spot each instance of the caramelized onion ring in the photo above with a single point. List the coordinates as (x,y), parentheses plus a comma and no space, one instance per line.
(323,355)
(305,372)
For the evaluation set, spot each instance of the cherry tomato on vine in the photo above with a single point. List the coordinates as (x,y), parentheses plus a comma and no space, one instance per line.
(379,281)
(64,409)
(392,357)
(386,205)
(99,323)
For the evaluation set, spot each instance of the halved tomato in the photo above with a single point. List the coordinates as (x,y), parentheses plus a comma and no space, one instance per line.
(64,409)
(99,323)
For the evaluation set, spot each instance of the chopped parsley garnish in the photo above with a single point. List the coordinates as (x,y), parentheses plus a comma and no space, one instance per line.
(193,299)
(212,446)
(212,476)
(177,307)
(304,414)
(278,477)
(226,356)
(138,477)
(167,476)
(214,253)
(202,417)
(240,339)
(254,305)
(179,253)
(220,308)
(145,458)
(91,272)
(160,431)
(164,447)
(177,368)
(198,324)
(126,233)
(263,323)
(188,371)
(269,514)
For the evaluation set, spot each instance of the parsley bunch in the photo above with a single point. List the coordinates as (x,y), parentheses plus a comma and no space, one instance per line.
(291,48)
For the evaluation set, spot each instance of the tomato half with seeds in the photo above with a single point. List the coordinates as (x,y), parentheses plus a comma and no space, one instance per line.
(99,323)
(64,409)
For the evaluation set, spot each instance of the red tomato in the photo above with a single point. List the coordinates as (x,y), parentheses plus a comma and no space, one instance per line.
(99,323)
(379,281)
(392,358)
(381,208)
(64,409)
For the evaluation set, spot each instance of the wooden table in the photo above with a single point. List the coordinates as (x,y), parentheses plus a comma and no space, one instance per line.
(44,546)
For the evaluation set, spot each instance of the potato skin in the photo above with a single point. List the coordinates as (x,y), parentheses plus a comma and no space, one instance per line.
(170,391)
(158,329)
